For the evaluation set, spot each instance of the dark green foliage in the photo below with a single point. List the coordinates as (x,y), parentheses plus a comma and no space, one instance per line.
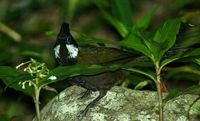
(149,32)
(11,77)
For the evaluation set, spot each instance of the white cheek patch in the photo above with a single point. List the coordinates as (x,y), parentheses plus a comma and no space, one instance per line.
(73,51)
(56,51)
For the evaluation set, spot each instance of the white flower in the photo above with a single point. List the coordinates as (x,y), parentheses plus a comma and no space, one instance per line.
(52,78)
(25,69)
(23,85)
(29,83)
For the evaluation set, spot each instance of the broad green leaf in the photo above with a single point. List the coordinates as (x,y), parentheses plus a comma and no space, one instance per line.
(6,71)
(168,31)
(119,26)
(166,36)
(135,42)
(11,77)
(145,20)
(154,48)
(176,93)
(148,74)
(62,73)
(122,11)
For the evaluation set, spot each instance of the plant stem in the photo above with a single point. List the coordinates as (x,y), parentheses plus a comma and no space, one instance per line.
(37,103)
(158,81)
(36,99)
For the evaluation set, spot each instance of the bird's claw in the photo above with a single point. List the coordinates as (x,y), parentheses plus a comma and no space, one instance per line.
(81,114)
(84,94)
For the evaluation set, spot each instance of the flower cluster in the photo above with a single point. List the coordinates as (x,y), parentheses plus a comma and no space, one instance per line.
(37,70)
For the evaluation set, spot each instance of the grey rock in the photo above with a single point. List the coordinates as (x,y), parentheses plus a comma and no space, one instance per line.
(120,104)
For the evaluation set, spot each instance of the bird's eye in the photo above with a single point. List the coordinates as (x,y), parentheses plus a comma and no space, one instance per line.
(69,40)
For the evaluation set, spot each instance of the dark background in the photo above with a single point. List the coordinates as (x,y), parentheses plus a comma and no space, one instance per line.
(36,22)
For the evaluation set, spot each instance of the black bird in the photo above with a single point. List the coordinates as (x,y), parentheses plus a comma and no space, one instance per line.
(67,52)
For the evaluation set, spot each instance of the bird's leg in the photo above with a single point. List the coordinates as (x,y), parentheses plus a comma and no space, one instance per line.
(86,93)
(102,93)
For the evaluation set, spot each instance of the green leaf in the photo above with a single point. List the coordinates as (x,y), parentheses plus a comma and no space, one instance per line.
(190,55)
(176,93)
(142,84)
(6,71)
(119,26)
(193,53)
(62,73)
(145,20)
(122,11)
(169,60)
(166,36)
(135,42)
(148,74)
(87,40)
(75,70)
(197,61)
(11,77)
(154,48)
(182,55)
(175,72)
(190,37)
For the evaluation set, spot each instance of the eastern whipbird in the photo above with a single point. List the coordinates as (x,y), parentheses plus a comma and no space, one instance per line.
(67,53)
